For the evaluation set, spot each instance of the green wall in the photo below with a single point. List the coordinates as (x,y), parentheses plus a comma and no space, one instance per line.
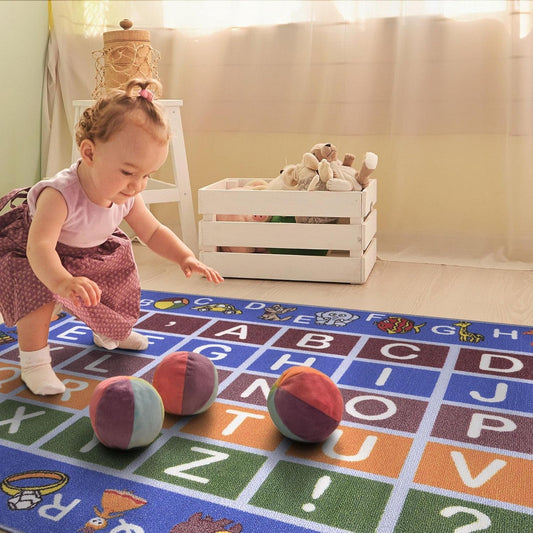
(23,39)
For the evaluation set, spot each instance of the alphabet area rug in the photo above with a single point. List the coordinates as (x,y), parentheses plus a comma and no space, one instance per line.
(436,435)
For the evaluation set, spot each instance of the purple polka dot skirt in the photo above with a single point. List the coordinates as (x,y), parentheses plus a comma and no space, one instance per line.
(111,265)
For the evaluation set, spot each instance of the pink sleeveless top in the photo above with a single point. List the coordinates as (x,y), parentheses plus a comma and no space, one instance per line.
(87,224)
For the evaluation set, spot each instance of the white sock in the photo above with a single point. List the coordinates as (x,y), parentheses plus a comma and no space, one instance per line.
(36,371)
(135,341)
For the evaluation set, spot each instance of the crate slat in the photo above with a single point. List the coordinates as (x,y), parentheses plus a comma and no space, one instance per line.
(294,267)
(218,199)
(284,235)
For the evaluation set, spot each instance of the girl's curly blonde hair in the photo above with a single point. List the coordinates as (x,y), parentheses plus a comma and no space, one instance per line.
(118,108)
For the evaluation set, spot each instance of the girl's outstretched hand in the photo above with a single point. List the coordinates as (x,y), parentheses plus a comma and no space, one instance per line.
(80,291)
(191,265)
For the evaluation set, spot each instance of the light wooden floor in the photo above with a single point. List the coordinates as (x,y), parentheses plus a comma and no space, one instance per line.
(490,295)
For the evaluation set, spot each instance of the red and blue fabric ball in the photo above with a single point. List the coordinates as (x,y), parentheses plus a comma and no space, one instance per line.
(126,412)
(187,383)
(305,404)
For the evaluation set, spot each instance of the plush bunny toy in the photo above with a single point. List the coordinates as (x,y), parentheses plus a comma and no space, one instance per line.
(314,175)
(346,178)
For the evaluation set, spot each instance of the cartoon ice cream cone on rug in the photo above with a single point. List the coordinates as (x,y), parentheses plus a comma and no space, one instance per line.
(114,504)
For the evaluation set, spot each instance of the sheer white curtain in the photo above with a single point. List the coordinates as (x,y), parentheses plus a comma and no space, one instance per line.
(442,91)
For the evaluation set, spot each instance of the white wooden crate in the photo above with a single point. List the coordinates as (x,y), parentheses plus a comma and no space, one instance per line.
(351,243)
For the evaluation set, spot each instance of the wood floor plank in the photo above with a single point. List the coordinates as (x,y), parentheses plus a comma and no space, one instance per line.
(479,294)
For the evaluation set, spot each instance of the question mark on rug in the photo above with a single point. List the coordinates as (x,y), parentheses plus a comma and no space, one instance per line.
(320,487)
(482,522)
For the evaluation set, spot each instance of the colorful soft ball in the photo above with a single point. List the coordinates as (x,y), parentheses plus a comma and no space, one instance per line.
(305,404)
(126,412)
(187,383)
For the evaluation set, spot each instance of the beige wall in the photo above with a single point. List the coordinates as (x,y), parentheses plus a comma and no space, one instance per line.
(450,120)
(24,35)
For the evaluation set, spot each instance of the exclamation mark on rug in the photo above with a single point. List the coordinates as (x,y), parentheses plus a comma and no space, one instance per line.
(320,487)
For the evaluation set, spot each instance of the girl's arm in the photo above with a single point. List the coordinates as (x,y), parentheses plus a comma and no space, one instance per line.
(50,214)
(165,243)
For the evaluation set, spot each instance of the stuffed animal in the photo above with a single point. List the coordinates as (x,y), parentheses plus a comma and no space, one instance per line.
(258,184)
(346,178)
(286,181)
(292,251)
(313,175)
(303,176)
(243,218)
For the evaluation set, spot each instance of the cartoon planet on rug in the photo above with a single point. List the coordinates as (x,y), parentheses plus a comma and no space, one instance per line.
(187,383)
(305,404)
(126,412)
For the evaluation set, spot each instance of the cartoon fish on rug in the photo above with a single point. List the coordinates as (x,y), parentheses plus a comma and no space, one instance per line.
(114,504)
(397,324)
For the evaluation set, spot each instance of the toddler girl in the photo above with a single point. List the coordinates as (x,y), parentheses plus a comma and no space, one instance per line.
(62,245)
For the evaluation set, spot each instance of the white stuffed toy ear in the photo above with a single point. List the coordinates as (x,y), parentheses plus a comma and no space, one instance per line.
(325,171)
(310,161)
(289,177)
(370,161)
(286,180)
(313,183)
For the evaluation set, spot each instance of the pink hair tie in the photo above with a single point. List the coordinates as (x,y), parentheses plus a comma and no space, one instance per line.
(145,93)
